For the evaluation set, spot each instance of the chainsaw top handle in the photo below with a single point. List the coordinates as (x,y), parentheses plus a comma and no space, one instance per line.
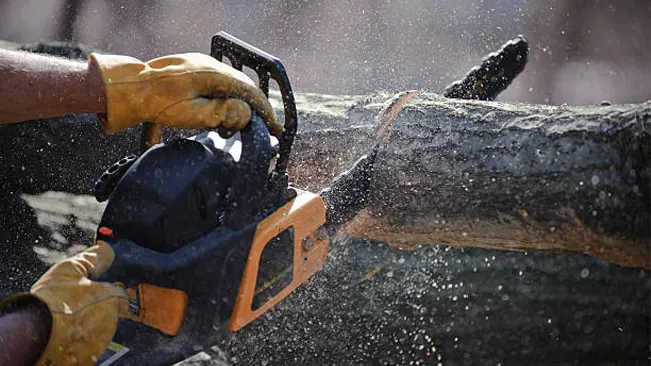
(267,67)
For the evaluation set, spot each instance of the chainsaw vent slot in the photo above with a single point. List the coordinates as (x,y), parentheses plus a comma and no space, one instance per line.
(105,185)
(276,268)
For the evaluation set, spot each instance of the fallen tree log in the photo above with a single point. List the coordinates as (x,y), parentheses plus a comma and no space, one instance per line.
(492,175)
(452,172)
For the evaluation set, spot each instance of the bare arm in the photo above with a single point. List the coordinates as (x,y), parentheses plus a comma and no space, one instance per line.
(34,87)
(23,335)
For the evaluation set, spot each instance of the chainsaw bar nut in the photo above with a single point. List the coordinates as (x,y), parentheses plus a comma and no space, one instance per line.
(307,243)
(321,233)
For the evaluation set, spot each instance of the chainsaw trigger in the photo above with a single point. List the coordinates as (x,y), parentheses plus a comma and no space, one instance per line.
(134,303)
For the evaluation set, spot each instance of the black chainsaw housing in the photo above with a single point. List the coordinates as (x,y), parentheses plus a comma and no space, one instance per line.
(171,195)
(179,191)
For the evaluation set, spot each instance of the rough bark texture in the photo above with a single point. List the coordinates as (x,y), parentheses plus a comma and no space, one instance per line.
(518,177)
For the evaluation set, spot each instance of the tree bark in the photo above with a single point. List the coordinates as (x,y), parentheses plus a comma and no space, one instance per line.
(486,174)
(449,172)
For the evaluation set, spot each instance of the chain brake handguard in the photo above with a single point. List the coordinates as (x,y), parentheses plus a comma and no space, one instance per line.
(266,67)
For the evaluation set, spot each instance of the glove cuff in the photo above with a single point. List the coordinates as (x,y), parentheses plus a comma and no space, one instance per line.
(120,75)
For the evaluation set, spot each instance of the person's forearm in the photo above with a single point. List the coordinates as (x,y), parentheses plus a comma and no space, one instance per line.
(23,336)
(35,86)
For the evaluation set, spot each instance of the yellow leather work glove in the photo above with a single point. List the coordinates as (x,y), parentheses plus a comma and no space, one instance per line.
(186,91)
(84,312)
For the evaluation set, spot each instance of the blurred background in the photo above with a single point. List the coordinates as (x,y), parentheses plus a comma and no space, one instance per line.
(581,51)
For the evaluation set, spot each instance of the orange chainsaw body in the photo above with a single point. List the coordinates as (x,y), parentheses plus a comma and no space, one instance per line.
(306,214)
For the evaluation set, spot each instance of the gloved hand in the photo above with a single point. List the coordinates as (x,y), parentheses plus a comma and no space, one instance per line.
(187,91)
(84,312)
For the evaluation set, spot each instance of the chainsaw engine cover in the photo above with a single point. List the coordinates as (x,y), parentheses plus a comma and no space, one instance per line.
(171,195)
(179,191)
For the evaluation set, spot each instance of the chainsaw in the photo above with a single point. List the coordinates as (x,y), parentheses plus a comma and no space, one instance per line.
(208,232)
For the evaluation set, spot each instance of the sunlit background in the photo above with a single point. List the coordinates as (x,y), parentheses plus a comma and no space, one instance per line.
(581,51)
